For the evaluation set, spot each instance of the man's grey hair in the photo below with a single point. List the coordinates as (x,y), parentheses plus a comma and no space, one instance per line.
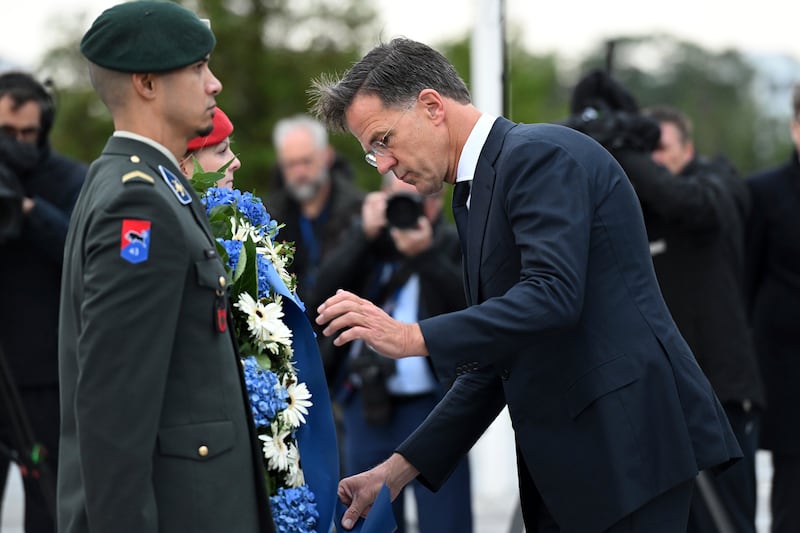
(286,126)
(396,72)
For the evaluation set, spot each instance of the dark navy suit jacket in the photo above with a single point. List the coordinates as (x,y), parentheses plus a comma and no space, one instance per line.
(567,326)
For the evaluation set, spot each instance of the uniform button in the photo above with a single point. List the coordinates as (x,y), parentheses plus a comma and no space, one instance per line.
(222,281)
(202,451)
(135,159)
(505,373)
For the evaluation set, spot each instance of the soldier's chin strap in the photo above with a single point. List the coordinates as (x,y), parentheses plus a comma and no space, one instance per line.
(24,450)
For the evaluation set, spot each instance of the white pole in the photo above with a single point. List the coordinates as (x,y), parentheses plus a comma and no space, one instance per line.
(487,56)
(495,493)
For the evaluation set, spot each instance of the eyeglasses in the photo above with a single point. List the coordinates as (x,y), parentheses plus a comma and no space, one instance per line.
(379,148)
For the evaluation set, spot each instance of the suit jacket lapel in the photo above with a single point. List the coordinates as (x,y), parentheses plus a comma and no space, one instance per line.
(480,200)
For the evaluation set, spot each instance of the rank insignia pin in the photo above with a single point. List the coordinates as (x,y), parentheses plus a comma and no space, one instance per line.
(175,184)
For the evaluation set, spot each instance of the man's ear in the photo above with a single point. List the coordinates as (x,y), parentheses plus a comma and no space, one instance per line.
(433,103)
(144,84)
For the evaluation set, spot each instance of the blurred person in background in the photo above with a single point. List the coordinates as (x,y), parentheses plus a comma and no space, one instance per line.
(773,260)
(694,212)
(695,216)
(404,257)
(39,188)
(317,201)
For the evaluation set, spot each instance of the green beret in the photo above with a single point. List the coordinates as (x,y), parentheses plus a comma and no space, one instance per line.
(147,36)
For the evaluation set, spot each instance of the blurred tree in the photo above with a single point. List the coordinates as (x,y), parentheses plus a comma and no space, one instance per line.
(532,93)
(267,53)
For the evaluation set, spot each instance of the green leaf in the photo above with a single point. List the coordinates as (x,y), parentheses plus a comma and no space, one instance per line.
(224,257)
(264,361)
(240,266)
(222,214)
(202,180)
(248,280)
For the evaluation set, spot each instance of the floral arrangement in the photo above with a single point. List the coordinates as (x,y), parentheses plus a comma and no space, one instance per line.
(256,264)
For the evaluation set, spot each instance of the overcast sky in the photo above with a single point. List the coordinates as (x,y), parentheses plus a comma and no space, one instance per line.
(567,27)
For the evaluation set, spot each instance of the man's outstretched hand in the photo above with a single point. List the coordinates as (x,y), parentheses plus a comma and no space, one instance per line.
(360,491)
(357,318)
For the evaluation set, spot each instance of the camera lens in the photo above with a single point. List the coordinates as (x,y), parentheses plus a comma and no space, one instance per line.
(403,210)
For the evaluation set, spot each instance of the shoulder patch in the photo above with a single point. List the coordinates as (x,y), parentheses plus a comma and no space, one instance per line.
(135,240)
(138,176)
(175,184)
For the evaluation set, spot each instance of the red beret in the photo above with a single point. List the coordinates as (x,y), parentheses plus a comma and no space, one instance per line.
(222,129)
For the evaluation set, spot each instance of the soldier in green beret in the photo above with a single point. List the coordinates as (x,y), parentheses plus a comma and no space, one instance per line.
(156,434)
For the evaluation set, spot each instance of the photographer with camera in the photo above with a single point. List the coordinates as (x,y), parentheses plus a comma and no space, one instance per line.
(694,211)
(402,256)
(317,199)
(38,189)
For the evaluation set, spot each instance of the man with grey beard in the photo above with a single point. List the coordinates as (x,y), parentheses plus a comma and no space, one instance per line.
(317,202)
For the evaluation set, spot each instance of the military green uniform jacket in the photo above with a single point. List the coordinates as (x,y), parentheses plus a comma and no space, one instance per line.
(156,434)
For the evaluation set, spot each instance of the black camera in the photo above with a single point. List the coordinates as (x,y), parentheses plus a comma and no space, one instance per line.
(370,373)
(10,207)
(403,209)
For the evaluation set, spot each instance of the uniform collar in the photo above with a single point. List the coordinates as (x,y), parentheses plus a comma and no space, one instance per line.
(147,140)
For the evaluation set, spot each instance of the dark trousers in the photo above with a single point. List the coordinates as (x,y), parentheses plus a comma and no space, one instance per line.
(666,513)
(785,498)
(41,406)
(448,510)
(735,488)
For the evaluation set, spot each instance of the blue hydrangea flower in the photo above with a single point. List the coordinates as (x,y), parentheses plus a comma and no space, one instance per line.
(234,249)
(294,510)
(216,196)
(253,209)
(246,203)
(266,395)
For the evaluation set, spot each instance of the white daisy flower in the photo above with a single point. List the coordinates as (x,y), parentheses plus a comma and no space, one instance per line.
(241,230)
(277,256)
(298,401)
(264,322)
(295,477)
(276,451)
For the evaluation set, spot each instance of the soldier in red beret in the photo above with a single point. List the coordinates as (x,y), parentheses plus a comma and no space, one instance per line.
(213,151)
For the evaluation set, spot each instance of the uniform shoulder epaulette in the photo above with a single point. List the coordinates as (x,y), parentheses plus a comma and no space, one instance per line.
(137,176)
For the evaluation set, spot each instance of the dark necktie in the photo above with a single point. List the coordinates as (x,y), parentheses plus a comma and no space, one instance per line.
(460,211)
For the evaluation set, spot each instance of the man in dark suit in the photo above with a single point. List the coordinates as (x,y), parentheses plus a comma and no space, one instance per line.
(613,417)
(773,261)
(156,434)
